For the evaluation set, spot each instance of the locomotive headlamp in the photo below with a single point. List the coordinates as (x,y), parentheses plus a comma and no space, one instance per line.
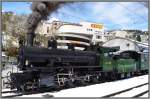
(26,62)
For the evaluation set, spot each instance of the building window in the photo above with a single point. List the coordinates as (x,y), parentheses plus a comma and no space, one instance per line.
(98,37)
(55,23)
(128,44)
(89,29)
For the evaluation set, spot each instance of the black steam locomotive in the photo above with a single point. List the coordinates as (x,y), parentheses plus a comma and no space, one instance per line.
(43,67)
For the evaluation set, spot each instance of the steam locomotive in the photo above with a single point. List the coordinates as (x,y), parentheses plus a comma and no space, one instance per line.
(53,68)
(43,67)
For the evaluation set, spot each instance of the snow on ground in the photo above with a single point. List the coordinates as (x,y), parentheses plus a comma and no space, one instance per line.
(99,90)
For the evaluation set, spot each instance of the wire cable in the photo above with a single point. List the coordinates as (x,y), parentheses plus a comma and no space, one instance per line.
(133,12)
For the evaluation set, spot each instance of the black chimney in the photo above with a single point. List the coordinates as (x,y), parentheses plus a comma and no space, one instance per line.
(30,38)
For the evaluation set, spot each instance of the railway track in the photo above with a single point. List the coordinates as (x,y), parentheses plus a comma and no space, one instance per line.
(10,91)
(13,93)
(126,91)
(10,94)
(141,94)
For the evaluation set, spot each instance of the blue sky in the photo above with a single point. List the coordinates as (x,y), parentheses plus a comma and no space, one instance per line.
(114,15)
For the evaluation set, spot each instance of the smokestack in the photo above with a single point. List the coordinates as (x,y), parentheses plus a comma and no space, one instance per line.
(40,11)
(30,38)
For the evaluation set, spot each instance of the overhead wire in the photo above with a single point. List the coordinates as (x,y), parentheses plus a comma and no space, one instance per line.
(132,12)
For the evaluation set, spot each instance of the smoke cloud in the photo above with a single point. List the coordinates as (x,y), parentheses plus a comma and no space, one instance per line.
(40,11)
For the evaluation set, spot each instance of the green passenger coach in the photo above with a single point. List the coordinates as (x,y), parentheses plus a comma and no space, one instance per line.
(123,63)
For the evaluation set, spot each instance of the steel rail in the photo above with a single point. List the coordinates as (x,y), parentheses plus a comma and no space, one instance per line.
(140,94)
(122,91)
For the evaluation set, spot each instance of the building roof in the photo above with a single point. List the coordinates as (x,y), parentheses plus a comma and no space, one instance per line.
(123,43)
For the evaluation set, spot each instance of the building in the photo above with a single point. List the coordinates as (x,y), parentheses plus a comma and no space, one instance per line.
(123,43)
(130,34)
(44,28)
(84,33)
(122,34)
(144,38)
(79,34)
